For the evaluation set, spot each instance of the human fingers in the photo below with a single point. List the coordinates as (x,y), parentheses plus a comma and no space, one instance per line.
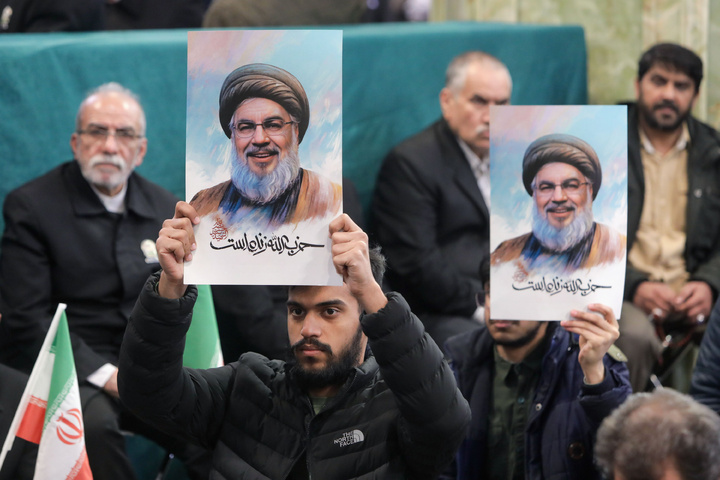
(185,210)
(178,230)
(600,321)
(343,223)
(697,299)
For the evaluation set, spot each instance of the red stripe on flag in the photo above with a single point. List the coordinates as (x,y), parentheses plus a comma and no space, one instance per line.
(31,425)
(81,470)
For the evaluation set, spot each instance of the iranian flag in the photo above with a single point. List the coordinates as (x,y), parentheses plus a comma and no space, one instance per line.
(49,413)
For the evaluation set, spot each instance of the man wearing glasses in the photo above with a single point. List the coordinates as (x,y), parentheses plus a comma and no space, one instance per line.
(562,174)
(264,111)
(82,234)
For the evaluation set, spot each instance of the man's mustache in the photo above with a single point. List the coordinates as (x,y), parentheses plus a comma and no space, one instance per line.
(115,160)
(565,204)
(667,104)
(482,129)
(252,149)
(314,342)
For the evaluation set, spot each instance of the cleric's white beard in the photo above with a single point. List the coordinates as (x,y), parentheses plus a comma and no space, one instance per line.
(559,240)
(265,188)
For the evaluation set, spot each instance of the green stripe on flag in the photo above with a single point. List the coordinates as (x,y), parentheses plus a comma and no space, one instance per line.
(202,342)
(63,370)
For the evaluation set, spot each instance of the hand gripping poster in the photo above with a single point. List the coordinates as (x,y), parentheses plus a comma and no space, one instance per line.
(559,210)
(264,155)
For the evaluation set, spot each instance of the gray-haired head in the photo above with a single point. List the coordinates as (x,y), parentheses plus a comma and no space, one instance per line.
(111,87)
(456,72)
(652,432)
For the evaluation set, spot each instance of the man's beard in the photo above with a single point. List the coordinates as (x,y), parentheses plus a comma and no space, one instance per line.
(265,188)
(337,369)
(97,178)
(560,240)
(528,337)
(647,113)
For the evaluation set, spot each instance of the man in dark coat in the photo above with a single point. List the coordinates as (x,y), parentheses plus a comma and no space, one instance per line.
(432,198)
(673,273)
(82,234)
(334,411)
(538,392)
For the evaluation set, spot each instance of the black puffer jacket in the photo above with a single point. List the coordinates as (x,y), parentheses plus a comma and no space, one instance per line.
(399,416)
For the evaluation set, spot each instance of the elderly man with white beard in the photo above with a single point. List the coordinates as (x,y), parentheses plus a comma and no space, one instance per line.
(83,234)
(562,173)
(264,111)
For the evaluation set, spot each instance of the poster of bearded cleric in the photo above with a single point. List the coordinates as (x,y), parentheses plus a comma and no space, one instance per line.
(264,155)
(559,210)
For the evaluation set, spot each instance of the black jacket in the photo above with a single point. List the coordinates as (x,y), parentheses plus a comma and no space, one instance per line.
(702,246)
(400,415)
(566,413)
(432,222)
(60,244)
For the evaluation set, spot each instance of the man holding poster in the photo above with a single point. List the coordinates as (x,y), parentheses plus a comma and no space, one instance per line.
(335,410)
(537,392)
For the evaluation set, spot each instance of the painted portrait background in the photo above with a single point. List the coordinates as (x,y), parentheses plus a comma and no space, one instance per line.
(314,57)
(514,129)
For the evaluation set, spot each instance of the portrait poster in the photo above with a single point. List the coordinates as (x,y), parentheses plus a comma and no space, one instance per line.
(264,155)
(558,221)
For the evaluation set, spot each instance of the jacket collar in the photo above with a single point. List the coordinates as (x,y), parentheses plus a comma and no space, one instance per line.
(85,201)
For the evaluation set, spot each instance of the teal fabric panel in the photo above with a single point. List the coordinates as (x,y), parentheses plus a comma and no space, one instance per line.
(392,75)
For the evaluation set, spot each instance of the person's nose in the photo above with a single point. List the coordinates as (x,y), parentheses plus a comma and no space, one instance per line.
(669,92)
(485,114)
(559,194)
(311,326)
(110,144)
(260,136)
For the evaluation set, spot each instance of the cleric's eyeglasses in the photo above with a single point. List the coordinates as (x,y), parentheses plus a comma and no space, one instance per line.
(272,126)
(570,187)
(124,136)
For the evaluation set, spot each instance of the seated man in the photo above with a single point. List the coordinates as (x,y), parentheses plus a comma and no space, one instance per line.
(336,410)
(81,235)
(537,393)
(663,435)
(432,199)
(673,273)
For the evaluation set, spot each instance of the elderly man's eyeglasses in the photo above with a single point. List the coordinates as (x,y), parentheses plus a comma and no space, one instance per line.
(570,187)
(272,127)
(99,134)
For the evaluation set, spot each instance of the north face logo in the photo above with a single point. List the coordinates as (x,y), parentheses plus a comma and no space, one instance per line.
(348,438)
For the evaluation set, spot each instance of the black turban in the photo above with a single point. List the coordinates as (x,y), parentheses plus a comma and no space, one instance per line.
(559,147)
(258,80)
